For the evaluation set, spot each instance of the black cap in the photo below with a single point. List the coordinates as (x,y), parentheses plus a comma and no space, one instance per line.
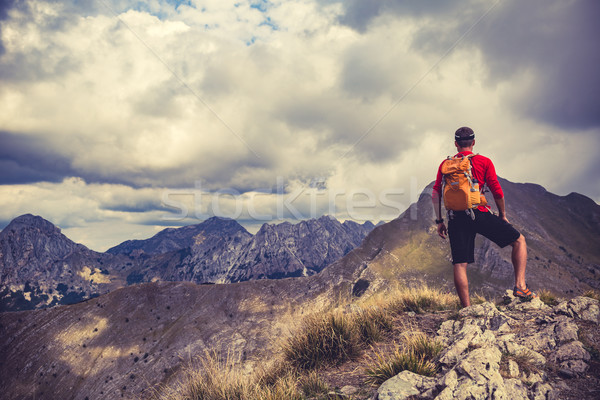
(464,133)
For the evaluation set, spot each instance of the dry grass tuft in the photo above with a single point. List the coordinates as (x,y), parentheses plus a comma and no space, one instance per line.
(335,337)
(547,297)
(312,385)
(418,354)
(526,362)
(213,378)
(592,294)
(328,339)
(478,299)
(421,300)
(371,323)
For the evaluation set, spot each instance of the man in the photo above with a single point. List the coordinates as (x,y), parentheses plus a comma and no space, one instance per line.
(464,225)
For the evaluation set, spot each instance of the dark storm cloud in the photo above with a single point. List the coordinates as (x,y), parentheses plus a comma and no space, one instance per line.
(27,159)
(135,207)
(359,13)
(555,41)
(5,6)
(37,64)
(558,43)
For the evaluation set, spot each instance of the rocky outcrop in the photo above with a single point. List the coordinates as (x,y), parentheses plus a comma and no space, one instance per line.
(503,353)
(39,266)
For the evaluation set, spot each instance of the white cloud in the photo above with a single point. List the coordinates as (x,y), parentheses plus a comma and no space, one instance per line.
(236,97)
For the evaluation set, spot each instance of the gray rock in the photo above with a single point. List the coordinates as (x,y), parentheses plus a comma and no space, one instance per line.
(513,369)
(515,389)
(469,336)
(572,356)
(481,365)
(580,307)
(447,329)
(348,390)
(567,373)
(575,366)
(543,391)
(403,385)
(516,303)
(566,331)
(571,351)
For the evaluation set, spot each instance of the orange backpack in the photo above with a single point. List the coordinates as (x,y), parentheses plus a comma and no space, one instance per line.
(461,190)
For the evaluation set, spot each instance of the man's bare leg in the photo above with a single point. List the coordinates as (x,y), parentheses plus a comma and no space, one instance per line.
(519,261)
(462,284)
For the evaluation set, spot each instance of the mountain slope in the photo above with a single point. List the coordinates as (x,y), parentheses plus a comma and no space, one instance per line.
(562,234)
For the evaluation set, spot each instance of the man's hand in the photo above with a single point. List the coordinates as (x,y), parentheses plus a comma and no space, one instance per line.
(442,231)
(503,217)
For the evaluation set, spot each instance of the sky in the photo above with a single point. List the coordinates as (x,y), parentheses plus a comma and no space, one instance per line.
(119,118)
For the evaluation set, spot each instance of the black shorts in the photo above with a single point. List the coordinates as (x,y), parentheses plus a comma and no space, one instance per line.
(462,230)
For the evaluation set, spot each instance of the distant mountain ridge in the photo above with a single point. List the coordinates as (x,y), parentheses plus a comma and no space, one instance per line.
(40,267)
(212,255)
(179,238)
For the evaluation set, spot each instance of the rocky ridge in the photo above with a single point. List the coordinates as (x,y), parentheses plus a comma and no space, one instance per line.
(41,267)
(234,255)
(516,351)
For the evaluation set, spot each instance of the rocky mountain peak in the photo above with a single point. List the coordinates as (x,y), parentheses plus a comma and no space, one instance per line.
(29,221)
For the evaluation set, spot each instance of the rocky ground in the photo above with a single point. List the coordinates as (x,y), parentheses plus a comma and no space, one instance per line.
(513,350)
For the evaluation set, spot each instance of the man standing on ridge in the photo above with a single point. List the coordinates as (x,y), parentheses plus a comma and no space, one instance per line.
(465,224)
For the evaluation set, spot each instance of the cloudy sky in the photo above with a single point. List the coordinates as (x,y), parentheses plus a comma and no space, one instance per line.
(121,117)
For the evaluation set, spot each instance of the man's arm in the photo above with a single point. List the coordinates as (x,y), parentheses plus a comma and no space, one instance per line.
(501,208)
(437,205)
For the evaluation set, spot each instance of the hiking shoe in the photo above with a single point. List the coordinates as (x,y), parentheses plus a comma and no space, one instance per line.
(524,294)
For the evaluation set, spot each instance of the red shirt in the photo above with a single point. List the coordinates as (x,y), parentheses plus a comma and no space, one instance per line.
(483,170)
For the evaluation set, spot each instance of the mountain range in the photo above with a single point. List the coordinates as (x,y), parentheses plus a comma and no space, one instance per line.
(126,342)
(40,267)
